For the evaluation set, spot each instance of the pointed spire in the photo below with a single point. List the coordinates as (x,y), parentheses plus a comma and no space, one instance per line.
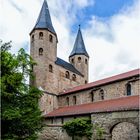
(44,19)
(79,46)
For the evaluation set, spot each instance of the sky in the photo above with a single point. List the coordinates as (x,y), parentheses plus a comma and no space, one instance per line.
(110,29)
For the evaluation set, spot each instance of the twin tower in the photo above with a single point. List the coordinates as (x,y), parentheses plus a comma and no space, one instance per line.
(52,74)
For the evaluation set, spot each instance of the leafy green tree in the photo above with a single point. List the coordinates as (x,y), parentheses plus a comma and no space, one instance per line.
(20,114)
(79,127)
(83,127)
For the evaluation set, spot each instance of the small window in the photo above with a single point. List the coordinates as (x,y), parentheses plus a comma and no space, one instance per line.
(85,61)
(79,59)
(50,38)
(128,89)
(102,94)
(92,96)
(74,77)
(41,35)
(74,100)
(40,51)
(67,101)
(85,81)
(32,38)
(72,60)
(50,68)
(67,75)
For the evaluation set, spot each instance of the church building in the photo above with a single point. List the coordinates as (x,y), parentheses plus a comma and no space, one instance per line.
(112,102)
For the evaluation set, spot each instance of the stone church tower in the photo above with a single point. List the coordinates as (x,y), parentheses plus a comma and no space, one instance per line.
(79,56)
(43,47)
(52,74)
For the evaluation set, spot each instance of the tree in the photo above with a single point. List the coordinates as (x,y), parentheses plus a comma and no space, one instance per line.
(79,127)
(83,127)
(20,115)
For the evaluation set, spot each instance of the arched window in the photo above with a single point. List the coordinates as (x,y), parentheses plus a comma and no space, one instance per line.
(40,51)
(67,101)
(101,94)
(92,96)
(79,59)
(32,38)
(74,100)
(50,38)
(72,60)
(85,61)
(74,77)
(50,68)
(85,81)
(40,35)
(128,89)
(67,74)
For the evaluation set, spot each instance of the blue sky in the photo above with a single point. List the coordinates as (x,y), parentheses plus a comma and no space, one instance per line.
(103,9)
(110,30)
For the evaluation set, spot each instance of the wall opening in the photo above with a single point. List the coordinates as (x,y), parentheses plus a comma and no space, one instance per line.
(50,68)
(32,38)
(40,51)
(128,89)
(67,75)
(101,93)
(74,100)
(92,96)
(50,38)
(79,59)
(74,77)
(40,35)
(85,61)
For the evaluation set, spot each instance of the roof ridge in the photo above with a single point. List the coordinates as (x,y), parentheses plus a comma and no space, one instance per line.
(104,81)
(119,104)
(67,65)
(103,101)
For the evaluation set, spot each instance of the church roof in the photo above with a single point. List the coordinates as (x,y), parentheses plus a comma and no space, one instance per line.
(67,66)
(119,104)
(44,19)
(79,46)
(104,81)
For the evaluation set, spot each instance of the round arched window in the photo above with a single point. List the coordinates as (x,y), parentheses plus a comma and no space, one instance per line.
(67,74)
(72,60)
(32,38)
(40,35)
(85,61)
(79,59)
(128,89)
(40,51)
(102,94)
(50,38)
(74,77)
(50,68)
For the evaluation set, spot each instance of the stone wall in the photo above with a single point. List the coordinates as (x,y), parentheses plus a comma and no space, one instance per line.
(111,91)
(125,131)
(118,124)
(54,133)
(122,125)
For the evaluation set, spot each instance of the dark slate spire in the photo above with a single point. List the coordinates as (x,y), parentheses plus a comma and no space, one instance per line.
(79,46)
(44,19)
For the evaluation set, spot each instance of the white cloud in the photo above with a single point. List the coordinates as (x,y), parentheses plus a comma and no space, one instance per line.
(112,45)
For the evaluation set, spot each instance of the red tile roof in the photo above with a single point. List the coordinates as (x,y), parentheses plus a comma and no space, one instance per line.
(103,81)
(119,104)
